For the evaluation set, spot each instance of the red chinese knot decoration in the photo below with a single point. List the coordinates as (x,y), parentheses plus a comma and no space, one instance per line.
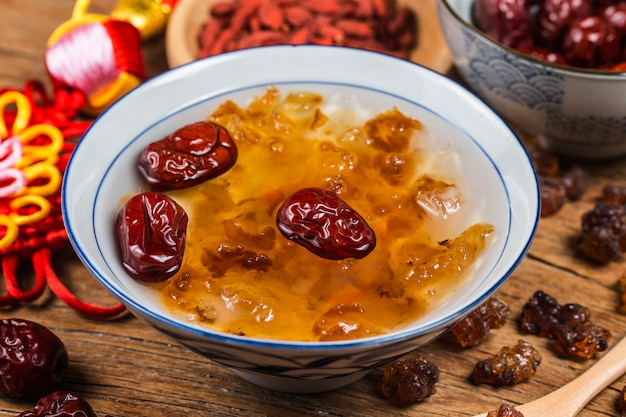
(34,151)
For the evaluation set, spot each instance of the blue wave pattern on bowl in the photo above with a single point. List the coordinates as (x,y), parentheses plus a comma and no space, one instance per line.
(541,99)
(592,129)
(304,366)
(539,89)
(303,370)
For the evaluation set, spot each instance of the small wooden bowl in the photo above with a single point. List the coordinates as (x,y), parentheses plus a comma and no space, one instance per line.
(181,41)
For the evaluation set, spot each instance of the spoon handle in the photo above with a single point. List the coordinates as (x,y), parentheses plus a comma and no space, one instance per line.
(568,400)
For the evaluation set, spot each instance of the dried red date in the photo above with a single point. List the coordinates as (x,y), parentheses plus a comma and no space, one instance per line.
(61,404)
(582,33)
(554,16)
(151,230)
(33,360)
(507,21)
(325,225)
(615,15)
(591,42)
(189,156)
(543,54)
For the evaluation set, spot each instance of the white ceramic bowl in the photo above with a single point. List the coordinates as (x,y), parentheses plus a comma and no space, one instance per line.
(497,176)
(576,112)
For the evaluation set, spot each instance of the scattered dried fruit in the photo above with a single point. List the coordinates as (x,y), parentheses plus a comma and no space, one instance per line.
(510,366)
(61,404)
(553,193)
(409,380)
(569,325)
(557,185)
(576,181)
(614,193)
(474,328)
(33,360)
(505,410)
(604,227)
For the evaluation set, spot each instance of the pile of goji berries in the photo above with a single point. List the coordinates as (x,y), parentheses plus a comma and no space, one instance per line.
(377,25)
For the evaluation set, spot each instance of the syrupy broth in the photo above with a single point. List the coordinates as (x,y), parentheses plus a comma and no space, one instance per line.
(241,276)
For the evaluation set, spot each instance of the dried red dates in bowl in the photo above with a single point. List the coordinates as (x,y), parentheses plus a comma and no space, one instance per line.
(581,33)
(325,225)
(552,68)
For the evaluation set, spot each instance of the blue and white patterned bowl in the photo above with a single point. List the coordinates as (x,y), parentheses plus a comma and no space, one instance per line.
(496,175)
(575,112)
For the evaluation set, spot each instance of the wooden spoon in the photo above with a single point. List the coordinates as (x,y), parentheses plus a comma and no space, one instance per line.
(568,400)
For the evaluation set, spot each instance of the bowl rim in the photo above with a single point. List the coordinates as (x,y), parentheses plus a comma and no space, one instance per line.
(569,69)
(353,344)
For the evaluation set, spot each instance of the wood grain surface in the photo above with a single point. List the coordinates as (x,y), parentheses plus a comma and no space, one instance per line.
(125,368)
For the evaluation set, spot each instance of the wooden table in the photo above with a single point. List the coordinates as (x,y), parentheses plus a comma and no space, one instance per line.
(125,368)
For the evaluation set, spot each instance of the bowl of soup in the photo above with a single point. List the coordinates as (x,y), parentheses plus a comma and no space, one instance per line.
(367,204)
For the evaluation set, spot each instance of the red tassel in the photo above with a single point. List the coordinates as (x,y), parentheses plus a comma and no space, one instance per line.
(42,262)
(9,269)
(125,39)
(36,240)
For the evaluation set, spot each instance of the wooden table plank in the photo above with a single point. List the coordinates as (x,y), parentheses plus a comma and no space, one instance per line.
(126,368)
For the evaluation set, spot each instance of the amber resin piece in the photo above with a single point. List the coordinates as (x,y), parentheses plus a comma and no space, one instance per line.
(576,182)
(614,193)
(557,185)
(603,232)
(510,366)
(475,327)
(408,380)
(505,410)
(553,196)
(570,325)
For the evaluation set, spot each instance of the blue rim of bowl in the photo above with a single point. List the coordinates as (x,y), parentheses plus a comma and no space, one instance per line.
(531,60)
(384,339)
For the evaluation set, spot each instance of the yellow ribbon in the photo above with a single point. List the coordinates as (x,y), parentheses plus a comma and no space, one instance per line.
(22,117)
(38,162)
